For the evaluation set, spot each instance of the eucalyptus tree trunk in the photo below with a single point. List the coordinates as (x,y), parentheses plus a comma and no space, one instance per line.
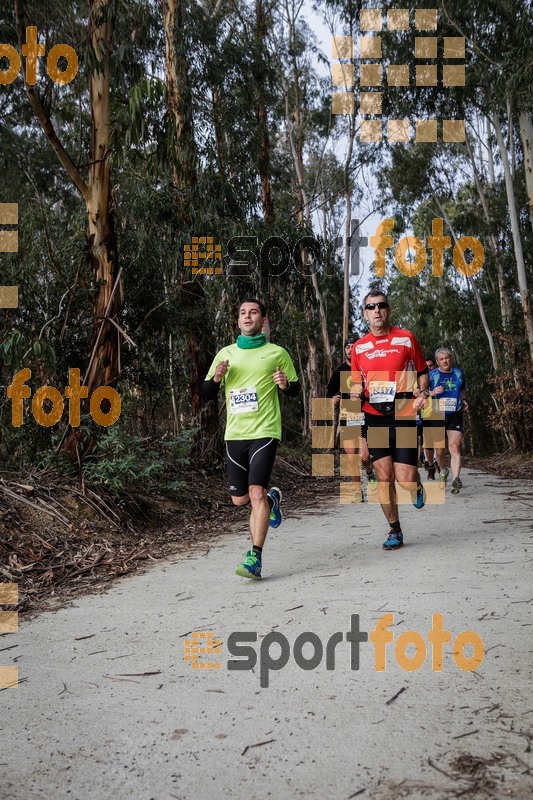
(517,242)
(192,296)
(526,133)
(296,141)
(104,364)
(306,212)
(505,305)
(492,177)
(348,229)
(305,393)
(510,432)
(102,252)
(179,94)
(262,120)
(477,295)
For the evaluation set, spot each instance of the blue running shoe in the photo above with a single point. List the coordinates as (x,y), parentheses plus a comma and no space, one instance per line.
(394,541)
(420,497)
(276,516)
(250,567)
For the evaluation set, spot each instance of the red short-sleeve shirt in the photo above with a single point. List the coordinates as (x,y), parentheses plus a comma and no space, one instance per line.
(388,365)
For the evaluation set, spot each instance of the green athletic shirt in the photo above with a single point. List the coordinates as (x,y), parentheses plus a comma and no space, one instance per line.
(252,402)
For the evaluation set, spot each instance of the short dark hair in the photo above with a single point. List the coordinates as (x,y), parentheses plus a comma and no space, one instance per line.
(375,293)
(261,305)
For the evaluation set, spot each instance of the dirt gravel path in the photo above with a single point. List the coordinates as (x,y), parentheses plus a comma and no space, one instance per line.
(107,707)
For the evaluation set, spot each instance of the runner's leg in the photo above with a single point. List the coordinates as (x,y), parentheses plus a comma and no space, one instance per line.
(407,476)
(239,455)
(455,439)
(262,456)
(260,516)
(441,458)
(405,466)
(353,462)
(385,473)
(365,455)
(240,501)
(237,468)
(382,446)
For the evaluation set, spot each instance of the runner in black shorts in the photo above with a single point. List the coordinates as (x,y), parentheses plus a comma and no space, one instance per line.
(448,395)
(249,463)
(391,363)
(397,451)
(253,372)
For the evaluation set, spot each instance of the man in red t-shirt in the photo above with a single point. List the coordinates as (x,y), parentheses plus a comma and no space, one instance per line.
(391,364)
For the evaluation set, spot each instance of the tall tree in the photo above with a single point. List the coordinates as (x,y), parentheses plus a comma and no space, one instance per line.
(95,190)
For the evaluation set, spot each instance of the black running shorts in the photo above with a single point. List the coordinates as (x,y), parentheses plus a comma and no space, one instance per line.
(249,463)
(452,422)
(397,450)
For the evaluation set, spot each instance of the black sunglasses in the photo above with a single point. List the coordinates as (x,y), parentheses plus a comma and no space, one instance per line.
(371,306)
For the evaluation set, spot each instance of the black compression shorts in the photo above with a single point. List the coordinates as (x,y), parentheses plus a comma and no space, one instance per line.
(452,422)
(249,463)
(401,447)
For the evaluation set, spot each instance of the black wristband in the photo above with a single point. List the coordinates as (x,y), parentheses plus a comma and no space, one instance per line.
(292,389)
(210,389)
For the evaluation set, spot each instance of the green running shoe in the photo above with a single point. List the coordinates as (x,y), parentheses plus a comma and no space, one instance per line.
(443,477)
(457,485)
(250,567)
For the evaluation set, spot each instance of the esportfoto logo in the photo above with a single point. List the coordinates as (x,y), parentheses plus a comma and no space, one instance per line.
(274,257)
(275,649)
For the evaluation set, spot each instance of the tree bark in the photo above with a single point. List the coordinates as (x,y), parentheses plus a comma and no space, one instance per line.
(102,253)
(262,118)
(526,134)
(304,218)
(517,242)
(305,393)
(179,94)
(477,295)
(492,177)
(192,295)
(505,305)
(348,231)
(104,365)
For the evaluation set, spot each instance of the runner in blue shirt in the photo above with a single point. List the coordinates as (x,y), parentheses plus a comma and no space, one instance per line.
(447,387)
